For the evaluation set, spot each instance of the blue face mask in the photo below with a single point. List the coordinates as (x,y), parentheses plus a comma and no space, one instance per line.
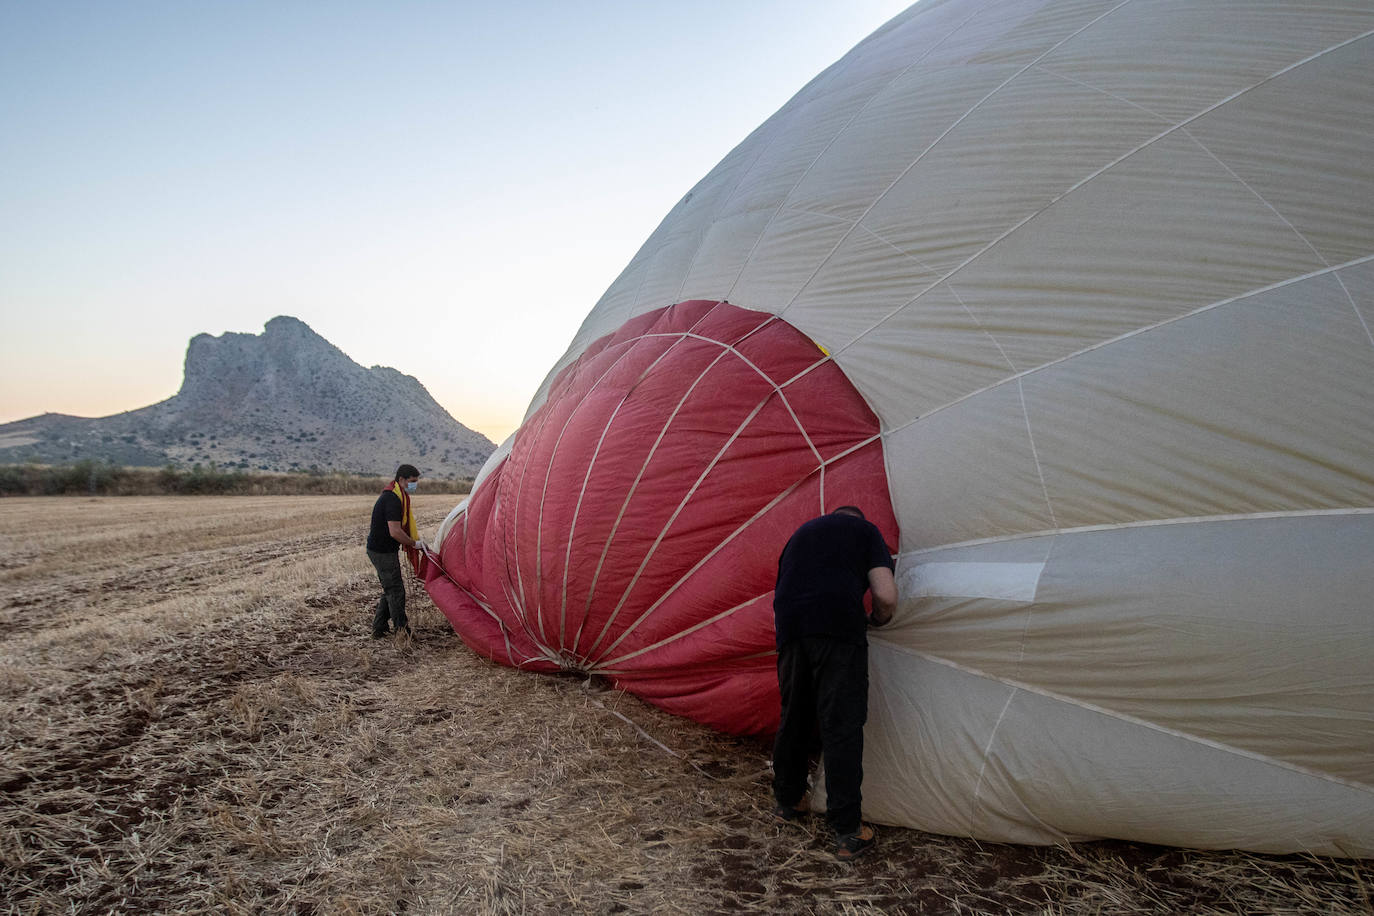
(410,485)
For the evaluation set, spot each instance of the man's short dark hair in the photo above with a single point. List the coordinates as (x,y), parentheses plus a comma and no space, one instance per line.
(849,510)
(407,471)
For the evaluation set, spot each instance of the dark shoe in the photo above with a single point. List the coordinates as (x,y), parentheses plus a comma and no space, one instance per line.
(852,845)
(789,813)
(380,634)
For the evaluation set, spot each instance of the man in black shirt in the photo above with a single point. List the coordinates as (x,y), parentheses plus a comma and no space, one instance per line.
(393,526)
(818,611)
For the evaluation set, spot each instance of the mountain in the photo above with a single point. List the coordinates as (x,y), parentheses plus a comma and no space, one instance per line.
(285,399)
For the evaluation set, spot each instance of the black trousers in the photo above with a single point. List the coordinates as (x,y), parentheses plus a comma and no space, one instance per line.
(392,605)
(824,687)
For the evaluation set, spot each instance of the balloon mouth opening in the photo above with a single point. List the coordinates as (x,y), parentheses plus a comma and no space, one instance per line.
(571,664)
(631,533)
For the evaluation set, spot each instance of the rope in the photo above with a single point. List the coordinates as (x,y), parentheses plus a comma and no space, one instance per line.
(650,738)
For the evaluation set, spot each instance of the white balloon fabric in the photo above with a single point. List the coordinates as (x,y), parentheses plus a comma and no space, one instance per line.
(1105,273)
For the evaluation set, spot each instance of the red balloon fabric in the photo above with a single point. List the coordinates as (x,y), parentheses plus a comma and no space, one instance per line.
(633,531)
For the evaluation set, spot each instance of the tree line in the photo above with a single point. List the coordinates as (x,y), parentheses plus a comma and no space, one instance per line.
(98,478)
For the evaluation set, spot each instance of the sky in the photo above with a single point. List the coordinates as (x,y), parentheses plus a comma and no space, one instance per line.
(445,188)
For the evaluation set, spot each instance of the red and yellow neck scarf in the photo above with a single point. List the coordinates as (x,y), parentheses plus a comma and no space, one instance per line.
(407,521)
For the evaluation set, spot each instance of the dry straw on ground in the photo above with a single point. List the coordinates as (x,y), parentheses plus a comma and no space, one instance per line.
(196,721)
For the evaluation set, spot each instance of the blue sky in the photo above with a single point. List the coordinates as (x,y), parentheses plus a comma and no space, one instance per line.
(444,188)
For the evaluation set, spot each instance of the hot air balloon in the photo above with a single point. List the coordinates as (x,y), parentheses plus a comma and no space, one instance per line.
(1076,301)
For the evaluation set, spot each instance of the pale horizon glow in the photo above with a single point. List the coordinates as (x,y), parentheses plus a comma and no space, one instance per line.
(445,189)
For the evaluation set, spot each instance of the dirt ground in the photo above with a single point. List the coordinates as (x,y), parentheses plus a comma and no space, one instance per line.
(196,721)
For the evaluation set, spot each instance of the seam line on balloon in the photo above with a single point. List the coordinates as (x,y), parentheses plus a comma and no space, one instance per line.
(725,349)
(808,370)
(629,494)
(738,531)
(516,597)
(626,348)
(991,336)
(682,635)
(1258,196)
(805,434)
(730,348)
(782,206)
(521,612)
(663,532)
(806,437)
(753,656)
(724,200)
(1070,190)
(1044,564)
(632,305)
(1308,242)
(1239,297)
(624,354)
(1143,523)
(920,156)
(1358,314)
(582,492)
(820,469)
(1098,89)
(1128,718)
(899,251)
(1020,660)
(677,338)
(1035,455)
(778,389)
(523,621)
(486,608)
(724,542)
(983,763)
(687,334)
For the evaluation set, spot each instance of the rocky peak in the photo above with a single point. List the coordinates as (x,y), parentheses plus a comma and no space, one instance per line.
(280,399)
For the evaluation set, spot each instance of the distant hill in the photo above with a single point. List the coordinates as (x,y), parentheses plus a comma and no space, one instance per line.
(285,399)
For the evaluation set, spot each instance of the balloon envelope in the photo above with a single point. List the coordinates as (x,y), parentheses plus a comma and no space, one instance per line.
(1095,282)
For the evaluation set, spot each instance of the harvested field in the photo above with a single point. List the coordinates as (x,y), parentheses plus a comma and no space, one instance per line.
(197,721)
